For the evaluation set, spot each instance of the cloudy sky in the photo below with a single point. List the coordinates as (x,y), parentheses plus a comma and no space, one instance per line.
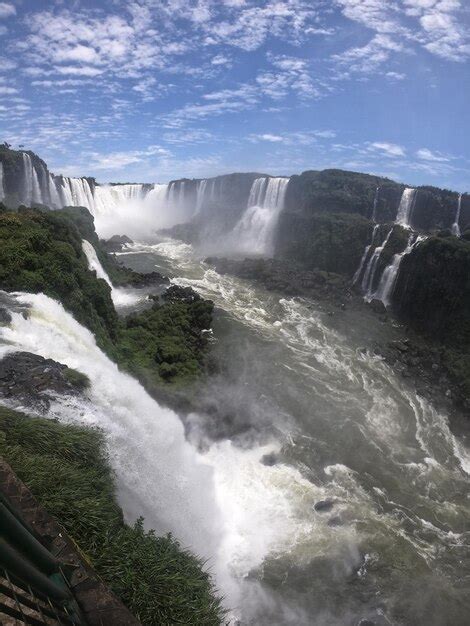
(149,90)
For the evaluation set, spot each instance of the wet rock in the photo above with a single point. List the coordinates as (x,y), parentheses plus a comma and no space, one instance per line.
(323,506)
(116,243)
(270,459)
(30,379)
(175,293)
(5,317)
(146,280)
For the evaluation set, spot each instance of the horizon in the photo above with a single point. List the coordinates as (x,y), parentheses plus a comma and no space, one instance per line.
(202,89)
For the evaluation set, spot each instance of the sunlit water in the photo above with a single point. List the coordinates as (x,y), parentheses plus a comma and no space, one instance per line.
(394,548)
(303,413)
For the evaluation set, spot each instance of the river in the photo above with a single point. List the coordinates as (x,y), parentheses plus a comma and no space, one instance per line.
(321,487)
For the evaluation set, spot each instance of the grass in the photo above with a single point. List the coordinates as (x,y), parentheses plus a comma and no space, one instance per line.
(67,469)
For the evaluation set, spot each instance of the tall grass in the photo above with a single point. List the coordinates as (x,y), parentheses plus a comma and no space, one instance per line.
(66,468)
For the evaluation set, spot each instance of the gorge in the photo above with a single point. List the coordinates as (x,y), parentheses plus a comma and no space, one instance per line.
(322,485)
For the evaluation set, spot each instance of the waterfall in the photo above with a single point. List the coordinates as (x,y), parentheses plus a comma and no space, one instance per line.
(200,195)
(455,226)
(405,208)
(159,474)
(254,232)
(369,275)
(121,297)
(376,202)
(358,273)
(389,277)
(2,189)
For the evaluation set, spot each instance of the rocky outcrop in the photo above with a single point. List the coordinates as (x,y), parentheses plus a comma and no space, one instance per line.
(115,243)
(329,242)
(30,379)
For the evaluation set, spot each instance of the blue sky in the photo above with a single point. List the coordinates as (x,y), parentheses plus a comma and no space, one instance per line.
(149,90)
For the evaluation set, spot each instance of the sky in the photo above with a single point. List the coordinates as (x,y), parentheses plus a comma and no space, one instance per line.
(151,90)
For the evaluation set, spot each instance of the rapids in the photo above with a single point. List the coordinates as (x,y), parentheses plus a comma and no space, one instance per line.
(332,493)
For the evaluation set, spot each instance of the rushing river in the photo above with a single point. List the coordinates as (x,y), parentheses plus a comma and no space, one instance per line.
(322,488)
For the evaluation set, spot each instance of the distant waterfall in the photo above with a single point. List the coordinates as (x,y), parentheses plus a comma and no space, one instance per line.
(389,277)
(455,226)
(405,209)
(121,297)
(200,195)
(359,270)
(376,203)
(2,189)
(32,189)
(254,232)
(368,279)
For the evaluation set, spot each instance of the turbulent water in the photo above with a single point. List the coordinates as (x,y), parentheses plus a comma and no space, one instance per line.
(302,414)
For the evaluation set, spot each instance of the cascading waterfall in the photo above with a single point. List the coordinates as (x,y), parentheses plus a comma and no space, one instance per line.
(254,231)
(2,189)
(376,204)
(32,189)
(159,474)
(121,297)
(405,208)
(455,226)
(200,195)
(368,279)
(359,270)
(389,277)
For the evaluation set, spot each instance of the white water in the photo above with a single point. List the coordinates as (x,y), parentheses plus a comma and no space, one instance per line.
(2,189)
(224,504)
(368,279)
(359,270)
(405,209)
(254,232)
(376,202)
(390,274)
(455,226)
(121,297)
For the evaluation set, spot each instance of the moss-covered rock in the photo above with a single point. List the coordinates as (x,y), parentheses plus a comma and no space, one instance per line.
(330,242)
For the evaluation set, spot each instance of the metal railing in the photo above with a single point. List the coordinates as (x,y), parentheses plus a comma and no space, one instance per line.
(34,586)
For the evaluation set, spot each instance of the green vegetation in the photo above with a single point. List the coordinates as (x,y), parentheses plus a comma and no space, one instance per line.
(67,470)
(76,379)
(330,242)
(41,251)
(166,342)
(432,295)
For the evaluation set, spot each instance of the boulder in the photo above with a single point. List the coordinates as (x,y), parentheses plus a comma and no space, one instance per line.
(32,380)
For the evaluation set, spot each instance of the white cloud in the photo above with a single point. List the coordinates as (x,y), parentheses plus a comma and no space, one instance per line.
(368,59)
(7,9)
(387,149)
(428,155)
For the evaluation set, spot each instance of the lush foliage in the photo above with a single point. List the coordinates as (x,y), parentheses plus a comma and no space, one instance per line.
(42,252)
(67,470)
(432,294)
(330,242)
(166,342)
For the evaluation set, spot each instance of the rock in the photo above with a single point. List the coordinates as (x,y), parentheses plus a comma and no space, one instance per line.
(5,317)
(31,379)
(270,459)
(175,293)
(366,622)
(323,506)
(335,521)
(116,243)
